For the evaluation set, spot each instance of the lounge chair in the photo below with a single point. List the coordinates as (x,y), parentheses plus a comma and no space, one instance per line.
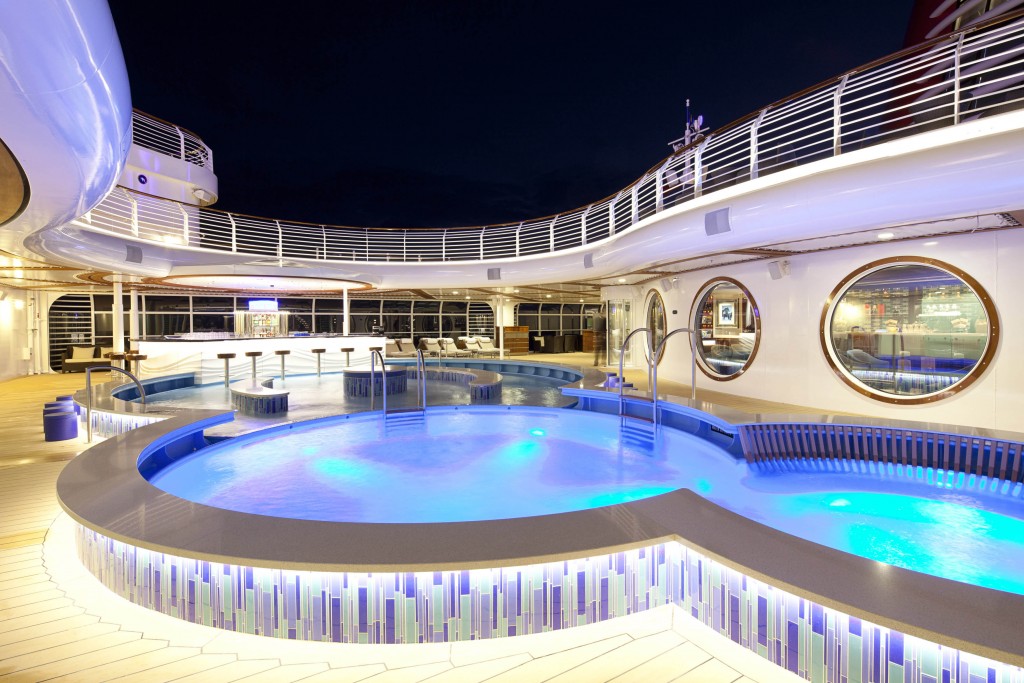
(487,347)
(450,349)
(472,344)
(393,350)
(430,346)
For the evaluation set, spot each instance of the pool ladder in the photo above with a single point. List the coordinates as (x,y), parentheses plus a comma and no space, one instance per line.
(421,376)
(652,370)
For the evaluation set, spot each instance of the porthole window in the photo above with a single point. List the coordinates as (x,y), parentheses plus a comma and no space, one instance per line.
(656,321)
(906,330)
(729,326)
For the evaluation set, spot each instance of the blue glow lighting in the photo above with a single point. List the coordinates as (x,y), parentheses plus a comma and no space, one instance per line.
(263,305)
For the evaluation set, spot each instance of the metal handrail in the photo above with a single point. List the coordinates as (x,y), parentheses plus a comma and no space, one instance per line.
(622,356)
(374,354)
(168,138)
(693,367)
(88,393)
(421,376)
(973,73)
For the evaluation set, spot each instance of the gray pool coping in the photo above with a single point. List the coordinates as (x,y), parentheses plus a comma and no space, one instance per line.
(103,490)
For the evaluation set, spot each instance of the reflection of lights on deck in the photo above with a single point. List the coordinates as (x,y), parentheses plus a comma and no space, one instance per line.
(537,432)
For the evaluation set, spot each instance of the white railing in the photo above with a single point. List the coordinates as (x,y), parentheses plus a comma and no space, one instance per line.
(167,138)
(975,73)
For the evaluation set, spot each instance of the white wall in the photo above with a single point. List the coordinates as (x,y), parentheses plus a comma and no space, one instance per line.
(14,323)
(791,367)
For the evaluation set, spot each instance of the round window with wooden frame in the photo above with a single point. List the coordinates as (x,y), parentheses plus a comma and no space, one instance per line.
(728,325)
(656,322)
(907,330)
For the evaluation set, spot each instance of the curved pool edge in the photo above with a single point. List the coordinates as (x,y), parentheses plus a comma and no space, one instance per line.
(103,491)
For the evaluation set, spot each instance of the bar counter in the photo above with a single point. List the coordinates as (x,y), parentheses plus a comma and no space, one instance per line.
(172,355)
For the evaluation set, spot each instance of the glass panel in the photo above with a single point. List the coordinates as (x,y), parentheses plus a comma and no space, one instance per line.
(620,324)
(425,324)
(159,325)
(364,324)
(213,303)
(397,306)
(728,320)
(531,321)
(571,309)
(455,307)
(364,306)
(656,320)
(213,322)
(300,322)
(551,323)
(426,306)
(166,303)
(298,305)
(398,325)
(329,305)
(328,324)
(527,308)
(908,330)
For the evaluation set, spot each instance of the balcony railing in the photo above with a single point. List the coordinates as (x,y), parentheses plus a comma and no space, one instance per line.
(174,141)
(975,73)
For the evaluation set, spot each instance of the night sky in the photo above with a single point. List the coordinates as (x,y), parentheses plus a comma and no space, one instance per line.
(427,113)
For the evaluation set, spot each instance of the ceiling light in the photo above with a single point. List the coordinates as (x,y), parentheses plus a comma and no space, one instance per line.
(932,243)
(548,295)
(622,279)
(581,300)
(468,296)
(886,235)
(515,291)
(455,291)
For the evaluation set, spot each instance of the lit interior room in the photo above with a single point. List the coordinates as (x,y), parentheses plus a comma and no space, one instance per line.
(394,343)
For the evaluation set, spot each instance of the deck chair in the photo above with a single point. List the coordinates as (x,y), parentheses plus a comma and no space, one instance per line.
(472,344)
(393,350)
(487,347)
(450,349)
(430,347)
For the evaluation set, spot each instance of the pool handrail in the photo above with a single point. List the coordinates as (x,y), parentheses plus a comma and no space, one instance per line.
(421,377)
(656,356)
(652,366)
(374,354)
(88,393)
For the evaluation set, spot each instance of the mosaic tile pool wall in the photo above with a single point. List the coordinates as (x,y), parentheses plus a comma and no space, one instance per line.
(816,643)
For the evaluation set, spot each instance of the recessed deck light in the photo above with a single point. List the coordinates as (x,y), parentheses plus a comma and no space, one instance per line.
(886,235)
(931,243)
(622,279)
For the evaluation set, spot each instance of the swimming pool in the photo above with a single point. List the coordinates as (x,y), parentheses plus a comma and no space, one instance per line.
(480,464)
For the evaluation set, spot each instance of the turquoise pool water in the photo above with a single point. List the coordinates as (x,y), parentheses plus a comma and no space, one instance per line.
(479,463)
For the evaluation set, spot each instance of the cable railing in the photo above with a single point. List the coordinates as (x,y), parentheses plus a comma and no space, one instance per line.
(963,77)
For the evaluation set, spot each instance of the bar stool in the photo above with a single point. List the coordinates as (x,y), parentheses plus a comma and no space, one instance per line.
(136,358)
(254,355)
(318,353)
(347,351)
(227,366)
(116,359)
(282,353)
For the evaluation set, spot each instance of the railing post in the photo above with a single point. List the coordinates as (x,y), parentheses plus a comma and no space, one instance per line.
(518,229)
(135,214)
(754,165)
(323,233)
(444,245)
(634,204)
(611,214)
(184,224)
(837,116)
(659,185)
(482,231)
(957,60)
(234,233)
(698,167)
(551,233)
(181,143)
(280,240)
(583,224)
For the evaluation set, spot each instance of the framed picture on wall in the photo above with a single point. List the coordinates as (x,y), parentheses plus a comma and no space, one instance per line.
(727,313)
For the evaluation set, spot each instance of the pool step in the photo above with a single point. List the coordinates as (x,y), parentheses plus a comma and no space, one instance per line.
(637,432)
(403,420)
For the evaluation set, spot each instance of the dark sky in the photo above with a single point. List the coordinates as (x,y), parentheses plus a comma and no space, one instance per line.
(431,113)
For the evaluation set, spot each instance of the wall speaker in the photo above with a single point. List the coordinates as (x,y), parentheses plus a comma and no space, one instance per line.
(588,260)
(666,284)
(133,255)
(494,273)
(717,222)
(778,269)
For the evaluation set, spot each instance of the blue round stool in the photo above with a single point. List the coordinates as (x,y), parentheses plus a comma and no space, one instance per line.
(60,426)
